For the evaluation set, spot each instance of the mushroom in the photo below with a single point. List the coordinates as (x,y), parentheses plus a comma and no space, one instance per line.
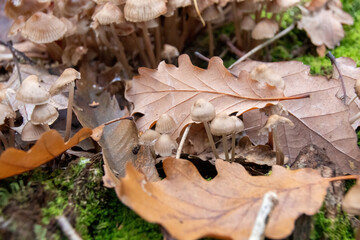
(45,28)
(223,125)
(14,9)
(265,29)
(31,92)
(211,14)
(247,25)
(271,128)
(67,78)
(7,112)
(164,145)
(239,127)
(165,124)
(264,74)
(44,114)
(169,52)
(202,112)
(149,137)
(32,132)
(142,11)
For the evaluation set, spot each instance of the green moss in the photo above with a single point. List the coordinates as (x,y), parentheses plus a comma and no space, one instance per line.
(325,228)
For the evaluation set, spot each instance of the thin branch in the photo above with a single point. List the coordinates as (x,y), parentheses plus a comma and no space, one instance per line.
(67,229)
(333,61)
(202,57)
(264,44)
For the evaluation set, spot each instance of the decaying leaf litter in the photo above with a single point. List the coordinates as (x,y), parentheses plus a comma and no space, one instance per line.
(251,91)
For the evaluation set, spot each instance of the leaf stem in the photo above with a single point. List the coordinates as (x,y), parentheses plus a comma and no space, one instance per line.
(340,178)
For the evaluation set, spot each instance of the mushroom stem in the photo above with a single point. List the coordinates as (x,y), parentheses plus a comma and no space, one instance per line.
(279,154)
(46,127)
(54,50)
(211,39)
(12,133)
(211,140)
(183,138)
(158,42)
(69,111)
(141,50)
(232,147)
(225,146)
(236,25)
(148,45)
(354,118)
(3,140)
(122,56)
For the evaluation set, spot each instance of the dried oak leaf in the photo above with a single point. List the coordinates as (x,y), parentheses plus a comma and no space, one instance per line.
(351,202)
(330,33)
(49,146)
(173,90)
(322,119)
(189,207)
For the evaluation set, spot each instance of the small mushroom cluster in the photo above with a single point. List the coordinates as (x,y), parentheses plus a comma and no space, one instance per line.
(221,125)
(138,32)
(160,138)
(36,102)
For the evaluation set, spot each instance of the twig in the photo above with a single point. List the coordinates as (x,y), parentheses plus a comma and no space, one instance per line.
(269,201)
(118,119)
(198,12)
(231,46)
(67,229)
(333,61)
(183,138)
(264,44)
(202,57)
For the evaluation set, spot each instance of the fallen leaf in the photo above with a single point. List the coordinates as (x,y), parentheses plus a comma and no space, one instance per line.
(189,207)
(351,203)
(322,119)
(117,139)
(173,90)
(50,145)
(330,33)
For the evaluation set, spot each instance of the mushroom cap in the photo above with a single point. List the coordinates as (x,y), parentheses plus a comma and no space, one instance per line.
(13,9)
(16,26)
(357,87)
(144,10)
(149,137)
(264,74)
(165,124)
(273,121)
(265,29)
(179,3)
(212,13)
(165,145)
(44,114)
(108,13)
(202,111)
(32,132)
(169,52)
(43,28)
(239,125)
(68,76)
(247,23)
(6,112)
(222,124)
(30,91)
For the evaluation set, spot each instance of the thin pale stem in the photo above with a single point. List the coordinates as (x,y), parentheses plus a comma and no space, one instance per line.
(47,128)
(148,47)
(202,57)
(67,229)
(354,118)
(224,140)
(351,100)
(333,60)
(69,111)
(257,48)
(122,56)
(279,154)
(232,147)
(158,43)
(211,140)
(12,133)
(3,140)
(141,50)
(236,25)
(211,39)
(183,138)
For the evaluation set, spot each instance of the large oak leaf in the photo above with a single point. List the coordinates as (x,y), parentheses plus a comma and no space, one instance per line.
(189,207)
(322,119)
(173,90)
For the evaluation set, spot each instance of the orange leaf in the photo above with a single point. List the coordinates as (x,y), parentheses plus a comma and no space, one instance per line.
(189,207)
(50,145)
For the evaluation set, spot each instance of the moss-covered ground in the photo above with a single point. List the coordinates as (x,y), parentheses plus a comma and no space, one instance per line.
(30,203)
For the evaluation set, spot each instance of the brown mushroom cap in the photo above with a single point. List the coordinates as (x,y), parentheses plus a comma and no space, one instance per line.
(144,10)
(169,52)
(44,114)
(14,9)
(202,111)
(165,145)
(32,132)
(247,23)
(273,121)
(69,75)
(30,91)
(265,29)
(149,137)
(222,124)
(165,124)
(239,125)
(179,3)
(16,26)
(108,13)
(6,112)
(43,28)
